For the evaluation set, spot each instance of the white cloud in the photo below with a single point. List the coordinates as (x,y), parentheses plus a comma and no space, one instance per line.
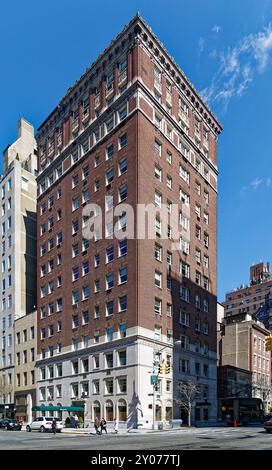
(216,29)
(238,66)
(256,183)
(200,45)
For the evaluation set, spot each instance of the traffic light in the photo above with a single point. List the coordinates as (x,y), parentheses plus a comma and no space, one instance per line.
(167,369)
(268,343)
(162,368)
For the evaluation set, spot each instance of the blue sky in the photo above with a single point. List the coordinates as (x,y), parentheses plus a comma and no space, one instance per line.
(225,49)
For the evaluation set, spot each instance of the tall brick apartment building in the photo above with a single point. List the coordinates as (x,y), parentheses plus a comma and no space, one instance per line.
(132,127)
(254,299)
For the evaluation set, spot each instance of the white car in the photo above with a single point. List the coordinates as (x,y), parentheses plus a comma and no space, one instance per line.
(44,423)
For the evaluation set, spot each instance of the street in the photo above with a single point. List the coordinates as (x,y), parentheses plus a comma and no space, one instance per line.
(242,438)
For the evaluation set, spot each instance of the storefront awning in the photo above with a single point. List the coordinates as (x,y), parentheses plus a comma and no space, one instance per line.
(58,408)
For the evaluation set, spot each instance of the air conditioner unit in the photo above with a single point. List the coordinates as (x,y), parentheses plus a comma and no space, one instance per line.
(75,305)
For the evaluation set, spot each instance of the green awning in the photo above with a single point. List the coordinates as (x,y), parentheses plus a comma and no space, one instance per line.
(58,408)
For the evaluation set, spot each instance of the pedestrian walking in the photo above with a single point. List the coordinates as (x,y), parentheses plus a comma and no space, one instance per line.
(76,421)
(116,425)
(97,426)
(54,426)
(104,425)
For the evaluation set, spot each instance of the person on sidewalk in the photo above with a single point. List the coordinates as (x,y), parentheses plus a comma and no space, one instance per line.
(104,425)
(54,426)
(116,425)
(76,422)
(97,426)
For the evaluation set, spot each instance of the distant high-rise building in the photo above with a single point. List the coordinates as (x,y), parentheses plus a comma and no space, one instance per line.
(134,128)
(18,251)
(254,299)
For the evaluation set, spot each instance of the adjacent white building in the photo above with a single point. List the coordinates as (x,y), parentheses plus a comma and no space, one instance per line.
(18,251)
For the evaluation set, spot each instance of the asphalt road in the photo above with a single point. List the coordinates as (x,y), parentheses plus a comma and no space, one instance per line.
(243,438)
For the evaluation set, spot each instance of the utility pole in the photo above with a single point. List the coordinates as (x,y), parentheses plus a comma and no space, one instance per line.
(154,381)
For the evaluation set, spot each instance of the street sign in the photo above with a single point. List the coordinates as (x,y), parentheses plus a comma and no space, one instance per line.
(153,379)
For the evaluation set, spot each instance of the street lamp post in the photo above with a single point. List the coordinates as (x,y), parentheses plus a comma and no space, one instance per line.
(155,379)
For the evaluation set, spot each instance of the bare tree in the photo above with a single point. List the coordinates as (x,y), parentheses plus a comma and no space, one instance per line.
(187,394)
(262,388)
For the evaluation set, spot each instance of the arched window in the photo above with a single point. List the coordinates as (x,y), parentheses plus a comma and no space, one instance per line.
(122,410)
(59,412)
(96,409)
(109,410)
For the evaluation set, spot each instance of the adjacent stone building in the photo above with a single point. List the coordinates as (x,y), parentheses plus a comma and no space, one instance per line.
(25,358)
(18,251)
(241,344)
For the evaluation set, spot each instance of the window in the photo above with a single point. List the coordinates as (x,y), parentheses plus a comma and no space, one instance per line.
(123,330)
(85,317)
(85,268)
(206,197)
(24,184)
(169,310)
(122,141)
(158,227)
(206,283)
(158,173)
(206,261)
(122,193)
(184,342)
(185,294)
(158,306)
(198,210)
(96,184)
(75,321)
(206,240)
(97,285)
(158,252)
(197,301)
(122,303)
(75,250)
(59,305)
(158,120)
(184,221)
(85,195)
(185,269)
(169,157)
(122,113)
(184,174)
(96,311)
(158,198)
(169,182)
(158,148)
(206,305)
(109,176)
(109,281)
(184,197)
(109,333)
(158,279)
(157,333)
(96,260)
(123,275)
(75,273)
(206,218)
(122,384)
(205,328)
(109,254)
(122,166)
(85,292)
(122,247)
(122,357)
(198,256)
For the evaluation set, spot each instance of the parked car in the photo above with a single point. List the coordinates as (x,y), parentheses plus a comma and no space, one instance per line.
(268,425)
(44,423)
(11,425)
